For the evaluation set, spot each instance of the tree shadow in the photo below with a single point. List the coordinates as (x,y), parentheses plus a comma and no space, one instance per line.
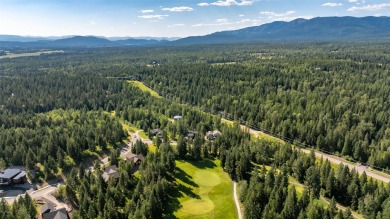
(203,164)
(180,190)
(183,176)
(188,191)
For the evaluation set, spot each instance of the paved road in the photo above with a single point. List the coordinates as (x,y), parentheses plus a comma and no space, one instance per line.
(359,168)
(334,159)
(237,202)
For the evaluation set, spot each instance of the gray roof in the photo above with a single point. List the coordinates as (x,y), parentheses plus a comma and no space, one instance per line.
(47,208)
(110,171)
(9,173)
(58,214)
(20,175)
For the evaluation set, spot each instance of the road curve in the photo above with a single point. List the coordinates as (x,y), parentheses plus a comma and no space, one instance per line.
(236,201)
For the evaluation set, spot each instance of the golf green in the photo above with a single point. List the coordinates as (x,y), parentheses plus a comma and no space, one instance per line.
(205,190)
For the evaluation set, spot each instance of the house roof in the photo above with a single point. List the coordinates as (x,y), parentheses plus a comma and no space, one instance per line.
(20,175)
(177,117)
(133,157)
(9,173)
(58,214)
(110,171)
(156,131)
(47,208)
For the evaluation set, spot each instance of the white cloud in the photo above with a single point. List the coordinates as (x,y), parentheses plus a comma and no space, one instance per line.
(228,3)
(92,22)
(272,14)
(369,7)
(231,24)
(218,22)
(332,4)
(241,15)
(146,11)
(222,20)
(203,4)
(286,16)
(153,16)
(353,1)
(176,25)
(178,9)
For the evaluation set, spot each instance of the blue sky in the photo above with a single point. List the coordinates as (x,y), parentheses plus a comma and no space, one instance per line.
(166,18)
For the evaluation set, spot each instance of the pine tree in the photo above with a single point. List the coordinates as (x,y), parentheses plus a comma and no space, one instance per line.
(290,210)
(181,147)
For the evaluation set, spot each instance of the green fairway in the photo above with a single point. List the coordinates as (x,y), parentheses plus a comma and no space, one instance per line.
(205,191)
(144,88)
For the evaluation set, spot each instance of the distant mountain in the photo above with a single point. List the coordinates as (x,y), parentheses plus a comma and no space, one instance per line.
(316,29)
(83,41)
(16,38)
(72,42)
(139,42)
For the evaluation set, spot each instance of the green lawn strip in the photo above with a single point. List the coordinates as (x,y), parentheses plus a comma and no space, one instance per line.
(143,135)
(144,88)
(205,191)
(269,138)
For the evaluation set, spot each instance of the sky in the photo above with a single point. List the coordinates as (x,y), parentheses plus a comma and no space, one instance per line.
(166,18)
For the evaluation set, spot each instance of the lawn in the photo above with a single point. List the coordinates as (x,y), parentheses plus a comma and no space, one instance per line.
(144,88)
(205,191)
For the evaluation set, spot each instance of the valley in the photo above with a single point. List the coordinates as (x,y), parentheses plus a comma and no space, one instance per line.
(192,134)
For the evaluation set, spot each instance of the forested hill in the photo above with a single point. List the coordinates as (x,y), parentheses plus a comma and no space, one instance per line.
(316,29)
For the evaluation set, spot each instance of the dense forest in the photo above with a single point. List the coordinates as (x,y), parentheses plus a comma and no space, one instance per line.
(60,110)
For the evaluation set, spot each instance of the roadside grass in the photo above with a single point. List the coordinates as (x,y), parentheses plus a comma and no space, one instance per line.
(228,122)
(144,88)
(269,138)
(204,191)
(143,135)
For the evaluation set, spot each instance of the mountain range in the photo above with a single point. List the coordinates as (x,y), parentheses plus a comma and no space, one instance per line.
(315,29)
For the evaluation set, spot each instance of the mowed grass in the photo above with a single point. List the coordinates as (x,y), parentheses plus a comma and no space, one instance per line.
(144,88)
(205,190)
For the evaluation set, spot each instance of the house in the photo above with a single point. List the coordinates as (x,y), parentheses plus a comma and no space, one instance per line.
(177,117)
(136,159)
(47,208)
(12,176)
(212,135)
(110,172)
(191,134)
(156,132)
(56,214)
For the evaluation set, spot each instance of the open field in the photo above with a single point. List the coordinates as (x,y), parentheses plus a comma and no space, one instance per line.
(30,54)
(205,191)
(144,88)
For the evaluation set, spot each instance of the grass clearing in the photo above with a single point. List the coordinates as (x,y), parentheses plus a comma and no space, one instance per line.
(269,138)
(30,54)
(144,88)
(143,135)
(228,122)
(152,148)
(204,191)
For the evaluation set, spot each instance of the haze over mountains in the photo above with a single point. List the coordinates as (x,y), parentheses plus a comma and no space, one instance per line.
(316,29)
